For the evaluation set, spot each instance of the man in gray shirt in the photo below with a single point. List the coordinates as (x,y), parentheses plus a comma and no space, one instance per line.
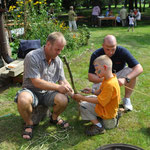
(44,83)
(123,16)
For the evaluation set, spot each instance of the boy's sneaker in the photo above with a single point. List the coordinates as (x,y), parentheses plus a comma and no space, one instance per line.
(127,104)
(94,130)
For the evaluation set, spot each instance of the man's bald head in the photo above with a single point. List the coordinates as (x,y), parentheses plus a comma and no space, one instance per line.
(109,45)
(110,40)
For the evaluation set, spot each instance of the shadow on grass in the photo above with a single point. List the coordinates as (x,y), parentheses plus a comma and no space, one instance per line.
(145,131)
(10,126)
(44,135)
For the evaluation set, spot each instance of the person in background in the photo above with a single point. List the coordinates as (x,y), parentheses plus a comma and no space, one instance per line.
(110,13)
(51,12)
(123,16)
(107,12)
(72,19)
(135,11)
(138,16)
(135,14)
(121,57)
(95,14)
(44,83)
(131,23)
(101,109)
(131,13)
(118,20)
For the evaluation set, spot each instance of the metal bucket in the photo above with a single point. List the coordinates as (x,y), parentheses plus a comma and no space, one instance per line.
(119,146)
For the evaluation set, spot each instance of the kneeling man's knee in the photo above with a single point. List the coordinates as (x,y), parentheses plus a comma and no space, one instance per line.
(61,99)
(24,98)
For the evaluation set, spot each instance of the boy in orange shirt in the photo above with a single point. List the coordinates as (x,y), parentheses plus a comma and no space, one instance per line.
(101,109)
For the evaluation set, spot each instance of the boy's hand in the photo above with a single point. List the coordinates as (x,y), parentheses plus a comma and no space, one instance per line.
(86,90)
(77,97)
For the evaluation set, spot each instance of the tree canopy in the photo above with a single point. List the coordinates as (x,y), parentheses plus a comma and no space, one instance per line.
(88,3)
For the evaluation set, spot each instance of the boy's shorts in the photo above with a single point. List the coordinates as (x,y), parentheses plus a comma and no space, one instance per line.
(45,98)
(88,113)
(120,74)
(131,25)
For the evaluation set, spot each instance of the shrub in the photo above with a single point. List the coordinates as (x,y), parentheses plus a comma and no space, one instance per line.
(38,24)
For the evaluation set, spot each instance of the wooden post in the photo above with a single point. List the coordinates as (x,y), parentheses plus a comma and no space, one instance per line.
(72,82)
(25,17)
(70,74)
(3,43)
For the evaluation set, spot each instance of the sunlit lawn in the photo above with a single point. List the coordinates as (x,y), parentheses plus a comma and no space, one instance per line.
(133,126)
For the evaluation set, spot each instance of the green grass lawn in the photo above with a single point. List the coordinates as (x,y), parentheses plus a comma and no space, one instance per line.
(134,127)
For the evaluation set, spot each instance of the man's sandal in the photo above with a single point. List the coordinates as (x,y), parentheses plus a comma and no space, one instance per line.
(60,123)
(30,134)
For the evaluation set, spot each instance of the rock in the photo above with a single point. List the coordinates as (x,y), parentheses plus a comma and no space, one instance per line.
(39,113)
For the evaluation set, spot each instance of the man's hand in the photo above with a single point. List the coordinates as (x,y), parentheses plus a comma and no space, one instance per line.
(70,93)
(122,81)
(68,89)
(64,89)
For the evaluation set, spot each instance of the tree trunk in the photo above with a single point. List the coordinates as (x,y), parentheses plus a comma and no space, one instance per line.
(131,5)
(25,17)
(136,4)
(109,5)
(3,42)
(140,6)
(125,4)
(144,6)
(116,2)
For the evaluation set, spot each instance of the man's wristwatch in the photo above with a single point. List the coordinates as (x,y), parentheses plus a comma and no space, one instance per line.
(127,79)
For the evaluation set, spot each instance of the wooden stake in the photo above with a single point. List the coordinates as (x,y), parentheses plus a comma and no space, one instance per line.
(72,82)
(70,74)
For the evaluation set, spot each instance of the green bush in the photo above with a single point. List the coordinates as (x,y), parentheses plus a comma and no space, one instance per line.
(39,24)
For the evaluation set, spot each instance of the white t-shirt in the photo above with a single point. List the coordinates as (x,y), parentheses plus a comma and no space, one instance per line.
(131,20)
(138,16)
(96,11)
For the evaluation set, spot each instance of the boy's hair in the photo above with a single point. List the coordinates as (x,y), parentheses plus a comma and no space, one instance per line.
(54,36)
(104,60)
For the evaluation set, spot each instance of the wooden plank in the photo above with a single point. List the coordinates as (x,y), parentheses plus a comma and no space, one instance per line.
(13,24)
(2,69)
(16,71)
(8,71)
(17,63)
(4,74)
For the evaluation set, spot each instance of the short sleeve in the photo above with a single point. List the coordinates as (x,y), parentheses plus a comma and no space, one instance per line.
(91,67)
(61,72)
(31,67)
